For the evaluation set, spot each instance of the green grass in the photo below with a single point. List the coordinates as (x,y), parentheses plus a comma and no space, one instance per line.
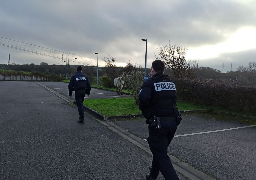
(66,80)
(113,89)
(113,106)
(185,106)
(126,106)
(233,115)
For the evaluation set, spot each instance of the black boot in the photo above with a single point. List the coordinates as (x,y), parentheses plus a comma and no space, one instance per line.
(148,177)
(81,120)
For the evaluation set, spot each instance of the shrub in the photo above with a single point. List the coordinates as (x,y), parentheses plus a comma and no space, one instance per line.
(133,81)
(106,82)
(224,94)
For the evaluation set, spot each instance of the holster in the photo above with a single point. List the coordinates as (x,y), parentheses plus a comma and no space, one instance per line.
(178,116)
(87,91)
(155,121)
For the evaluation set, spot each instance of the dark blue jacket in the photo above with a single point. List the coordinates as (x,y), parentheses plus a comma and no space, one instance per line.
(158,97)
(79,81)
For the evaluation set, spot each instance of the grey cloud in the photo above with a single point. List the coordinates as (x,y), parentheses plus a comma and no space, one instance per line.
(115,27)
(226,61)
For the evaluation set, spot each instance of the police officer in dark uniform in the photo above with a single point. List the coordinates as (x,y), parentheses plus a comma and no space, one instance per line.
(158,105)
(79,83)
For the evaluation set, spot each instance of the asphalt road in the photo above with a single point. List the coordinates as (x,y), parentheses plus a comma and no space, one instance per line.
(222,149)
(40,139)
(62,88)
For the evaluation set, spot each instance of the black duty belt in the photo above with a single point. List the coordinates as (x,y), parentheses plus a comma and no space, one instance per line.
(80,89)
(167,118)
(155,121)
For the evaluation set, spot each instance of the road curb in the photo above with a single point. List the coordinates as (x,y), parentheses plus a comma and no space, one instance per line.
(180,166)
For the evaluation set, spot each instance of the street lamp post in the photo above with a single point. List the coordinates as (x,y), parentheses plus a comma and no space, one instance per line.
(75,60)
(66,67)
(145,76)
(97,71)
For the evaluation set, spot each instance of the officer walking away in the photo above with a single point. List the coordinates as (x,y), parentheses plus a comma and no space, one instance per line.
(79,83)
(158,105)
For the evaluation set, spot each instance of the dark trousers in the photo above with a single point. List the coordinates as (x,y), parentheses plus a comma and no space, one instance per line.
(159,140)
(79,97)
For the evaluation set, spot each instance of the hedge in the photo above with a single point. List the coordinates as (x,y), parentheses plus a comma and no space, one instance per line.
(223,94)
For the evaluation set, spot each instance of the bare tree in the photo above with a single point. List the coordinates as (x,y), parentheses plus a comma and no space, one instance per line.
(111,70)
(174,59)
(247,75)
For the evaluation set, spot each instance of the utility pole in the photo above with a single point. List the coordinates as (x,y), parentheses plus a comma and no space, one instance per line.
(97,71)
(9,61)
(66,67)
(145,75)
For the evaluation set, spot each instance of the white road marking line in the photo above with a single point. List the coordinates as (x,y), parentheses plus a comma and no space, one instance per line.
(222,130)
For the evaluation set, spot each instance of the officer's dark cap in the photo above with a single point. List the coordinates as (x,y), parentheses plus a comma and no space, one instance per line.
(158,66)
(79,68)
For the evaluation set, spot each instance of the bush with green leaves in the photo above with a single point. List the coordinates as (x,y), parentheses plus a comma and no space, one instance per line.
(223,94)
(133,81)
(34,75)
(111,71)
(106,82)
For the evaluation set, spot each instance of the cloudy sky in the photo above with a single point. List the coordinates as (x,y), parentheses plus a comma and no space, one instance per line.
(216,33)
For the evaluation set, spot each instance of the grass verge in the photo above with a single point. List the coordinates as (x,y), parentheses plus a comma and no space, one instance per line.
(113,106)
(126,106)
(232,115)
(112,89)
(66,80)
